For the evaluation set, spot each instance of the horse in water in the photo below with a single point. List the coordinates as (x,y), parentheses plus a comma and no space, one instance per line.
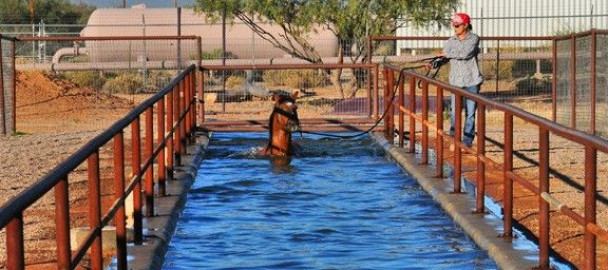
(283,121)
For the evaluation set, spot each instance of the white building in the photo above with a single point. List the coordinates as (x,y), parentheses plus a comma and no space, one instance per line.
(520,18)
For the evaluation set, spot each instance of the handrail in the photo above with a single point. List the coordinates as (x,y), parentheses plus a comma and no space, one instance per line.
(47,182)
(182,118)
(591,144)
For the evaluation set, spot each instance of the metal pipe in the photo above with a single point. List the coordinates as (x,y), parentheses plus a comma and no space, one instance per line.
(401,113)
(94,215)
(425,118)
(15,259)
(590,206)
(593,81)
(573,81)
(544,222)
(412,108)
(439,162)
(481,166)
(119,193)
(136,170)
(554,82)
(149,174)
(171,135)
(507,182)
(457,112)
(160,137)
(62,225)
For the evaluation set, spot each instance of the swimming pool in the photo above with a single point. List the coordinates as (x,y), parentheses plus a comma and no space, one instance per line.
(341,205)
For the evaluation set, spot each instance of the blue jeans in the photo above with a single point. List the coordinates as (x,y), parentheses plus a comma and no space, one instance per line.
(470,106)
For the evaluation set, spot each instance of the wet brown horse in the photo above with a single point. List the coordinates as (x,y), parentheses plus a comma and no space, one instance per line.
(283,121)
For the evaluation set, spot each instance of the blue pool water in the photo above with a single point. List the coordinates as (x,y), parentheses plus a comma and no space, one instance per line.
(341,205)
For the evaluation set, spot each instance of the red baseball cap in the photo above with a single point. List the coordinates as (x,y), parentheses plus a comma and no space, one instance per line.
(460,18)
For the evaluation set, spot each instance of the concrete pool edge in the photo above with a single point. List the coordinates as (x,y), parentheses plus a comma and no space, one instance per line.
(159,229)
(482,229)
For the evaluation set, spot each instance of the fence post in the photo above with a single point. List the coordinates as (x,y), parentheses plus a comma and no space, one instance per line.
(3,110)
(543,165)
(481,151)
(593,80)
(136,164)
(62,216)
(15,259)
(590,206)
(119,192)
(149,179)
(412,109)
(573,80)
(424,122)
(95,209)
(507,181)
(390,107)
(160,134)
(384,101)
(457,111)
(439,138)
(171,135)
(401,104)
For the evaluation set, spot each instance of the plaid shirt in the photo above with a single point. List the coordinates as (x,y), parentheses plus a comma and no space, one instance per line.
(464,70)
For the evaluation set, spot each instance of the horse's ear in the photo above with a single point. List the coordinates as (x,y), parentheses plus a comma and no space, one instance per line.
(295,95)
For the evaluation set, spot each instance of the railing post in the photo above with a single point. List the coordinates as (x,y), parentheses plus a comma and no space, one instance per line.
(457,111)
(590,206)
(15,259)
(401,105)
(481,151)
(376,92)
(384,101)
(95,209)
(149,181)
(425,119)
(439,138)
(136,164)
(160,134)
(554,81)
(187,109)
(183,136)
(171,135)
(119,192)
(412,109)
(390,107)
(62,225)
(201,96)
(177,134)
(507,181)
(543,165)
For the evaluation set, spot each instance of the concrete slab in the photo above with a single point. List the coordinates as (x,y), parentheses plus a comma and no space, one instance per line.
(483,229)
(159,229)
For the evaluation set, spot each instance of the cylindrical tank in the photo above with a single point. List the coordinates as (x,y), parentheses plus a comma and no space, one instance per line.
(241,42)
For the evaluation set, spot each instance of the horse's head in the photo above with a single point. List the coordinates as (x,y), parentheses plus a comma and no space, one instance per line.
(284,115)
(283,121)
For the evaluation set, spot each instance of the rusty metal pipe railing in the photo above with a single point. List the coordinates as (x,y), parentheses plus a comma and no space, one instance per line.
(592,144)
(11,213)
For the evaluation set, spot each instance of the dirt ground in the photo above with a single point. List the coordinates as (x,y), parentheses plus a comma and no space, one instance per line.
(55,118)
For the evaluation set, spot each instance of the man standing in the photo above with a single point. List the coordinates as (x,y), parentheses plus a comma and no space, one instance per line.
(461,51)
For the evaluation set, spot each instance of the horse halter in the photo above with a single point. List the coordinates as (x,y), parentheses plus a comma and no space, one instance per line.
(291,115)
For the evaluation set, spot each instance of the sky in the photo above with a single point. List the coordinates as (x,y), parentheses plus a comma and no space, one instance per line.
(149,3)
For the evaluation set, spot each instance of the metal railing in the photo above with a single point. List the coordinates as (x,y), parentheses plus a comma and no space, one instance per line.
(175,121)
(591,144)
(321,107)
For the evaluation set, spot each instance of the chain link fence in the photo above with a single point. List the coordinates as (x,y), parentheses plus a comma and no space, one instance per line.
(7,86)
(582,86)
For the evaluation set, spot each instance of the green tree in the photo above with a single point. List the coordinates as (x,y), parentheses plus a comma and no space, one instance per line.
(350,20)
(49,11)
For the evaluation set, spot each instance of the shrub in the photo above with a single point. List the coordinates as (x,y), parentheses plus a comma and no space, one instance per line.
(92,79)
(295,78)
(234,82)
(124,83)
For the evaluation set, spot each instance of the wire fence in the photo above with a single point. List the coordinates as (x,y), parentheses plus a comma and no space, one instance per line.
(582,82)
(7,86)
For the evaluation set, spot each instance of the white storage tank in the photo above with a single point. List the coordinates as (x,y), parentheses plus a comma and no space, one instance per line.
(139,21)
